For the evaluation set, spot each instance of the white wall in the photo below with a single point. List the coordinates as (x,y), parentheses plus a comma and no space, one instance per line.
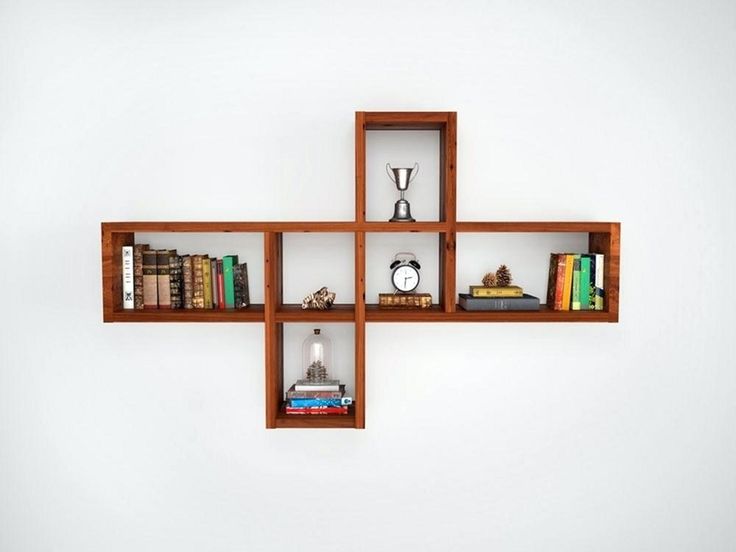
(564,437)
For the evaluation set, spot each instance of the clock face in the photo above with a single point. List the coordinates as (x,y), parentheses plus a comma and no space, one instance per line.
(405,278)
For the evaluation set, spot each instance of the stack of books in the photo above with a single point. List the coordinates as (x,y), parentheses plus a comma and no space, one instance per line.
(500,298)
(163,279)
(575,281)
(326,397)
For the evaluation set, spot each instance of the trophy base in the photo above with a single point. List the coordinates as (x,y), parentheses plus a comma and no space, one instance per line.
(402,212)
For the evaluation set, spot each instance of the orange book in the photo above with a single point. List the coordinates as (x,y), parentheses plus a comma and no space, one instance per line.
(567,289)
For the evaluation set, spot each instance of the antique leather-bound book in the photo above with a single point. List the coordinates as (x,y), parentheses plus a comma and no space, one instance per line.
(207,281)
(138,250)
(240,286)
(197,282)
(164,286)
(175,279)
(150,280)
(187,281)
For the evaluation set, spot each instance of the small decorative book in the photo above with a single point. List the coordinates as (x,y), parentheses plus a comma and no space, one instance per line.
(405,300)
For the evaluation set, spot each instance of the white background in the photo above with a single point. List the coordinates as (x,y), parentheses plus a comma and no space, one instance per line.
(516,437)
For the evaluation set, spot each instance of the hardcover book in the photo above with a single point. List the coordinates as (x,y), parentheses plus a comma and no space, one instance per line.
(552,280)
(175,280)
(575,300)
(207,281)
(567,286)
(213,283)
(228,262)
(164,284)
(317,410)
(292,393)
(150,280)
(240,286)
(501,291)
(138,250)
(584,282)
(310,403)
(128,279)
(405,300)
(197,282)
(187,278)
(326,385)
(525,303)
(599,293)
(220,286)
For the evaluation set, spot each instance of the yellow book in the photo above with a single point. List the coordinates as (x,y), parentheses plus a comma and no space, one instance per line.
(207,281)
(567,290)
(505,291)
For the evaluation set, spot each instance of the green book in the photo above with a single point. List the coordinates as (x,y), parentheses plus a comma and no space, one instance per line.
(228,261)
(584,282)
(575,283)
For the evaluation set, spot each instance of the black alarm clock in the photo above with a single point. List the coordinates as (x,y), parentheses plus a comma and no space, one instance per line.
(405,272)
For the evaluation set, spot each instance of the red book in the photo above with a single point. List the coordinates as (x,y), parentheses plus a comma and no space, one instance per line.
(317,410)
(220,286)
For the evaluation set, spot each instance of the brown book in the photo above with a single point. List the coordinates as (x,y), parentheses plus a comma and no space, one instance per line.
(175,280)
(150,280)
(197,282)
(187,277)
(404,300)
(138,250)
(164,285)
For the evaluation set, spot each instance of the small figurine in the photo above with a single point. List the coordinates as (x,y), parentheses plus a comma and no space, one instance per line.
(322,299)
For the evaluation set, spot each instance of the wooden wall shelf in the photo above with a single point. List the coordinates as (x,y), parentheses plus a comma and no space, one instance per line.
(603,237)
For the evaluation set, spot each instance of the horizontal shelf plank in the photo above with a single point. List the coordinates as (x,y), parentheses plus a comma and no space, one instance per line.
(295,313)
(535,226)
(374,313)
(230,226)
(254,313)
(315,421)
(404,226)
(406,120)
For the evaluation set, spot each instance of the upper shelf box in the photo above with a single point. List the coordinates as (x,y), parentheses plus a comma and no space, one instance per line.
(430,142)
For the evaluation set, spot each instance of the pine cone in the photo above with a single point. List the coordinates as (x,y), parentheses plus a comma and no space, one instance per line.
(503,276)
(489,280)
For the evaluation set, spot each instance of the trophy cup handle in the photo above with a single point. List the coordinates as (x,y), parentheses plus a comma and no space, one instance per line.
(388,171)
(416,172)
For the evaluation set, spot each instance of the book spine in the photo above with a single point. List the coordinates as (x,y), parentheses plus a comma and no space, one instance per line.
(526,303)
(238,286)
(576,283)
(175,283)
(197,282)
(187,281)
(552,281)
(318,410)
(150,280)
(584,282)
(314,394)
(309,403)
(560,285)
(128,278)
(164,285)
(207,281)
(228,262)
(591,284)
(220,285)
(138,250)
(508,291)
(213,283)
(599,291)
(567,288)
(246,287)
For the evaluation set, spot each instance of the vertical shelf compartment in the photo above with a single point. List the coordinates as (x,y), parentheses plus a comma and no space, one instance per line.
(275,318)
(187,238)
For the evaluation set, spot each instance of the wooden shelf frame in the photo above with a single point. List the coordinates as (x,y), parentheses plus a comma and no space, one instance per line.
(603,237)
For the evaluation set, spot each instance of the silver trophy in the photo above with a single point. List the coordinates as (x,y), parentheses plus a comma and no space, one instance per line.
(402,178)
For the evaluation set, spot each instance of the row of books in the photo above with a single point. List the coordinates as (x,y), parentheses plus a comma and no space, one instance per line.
(309,398)
(575,281)
(163,279)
